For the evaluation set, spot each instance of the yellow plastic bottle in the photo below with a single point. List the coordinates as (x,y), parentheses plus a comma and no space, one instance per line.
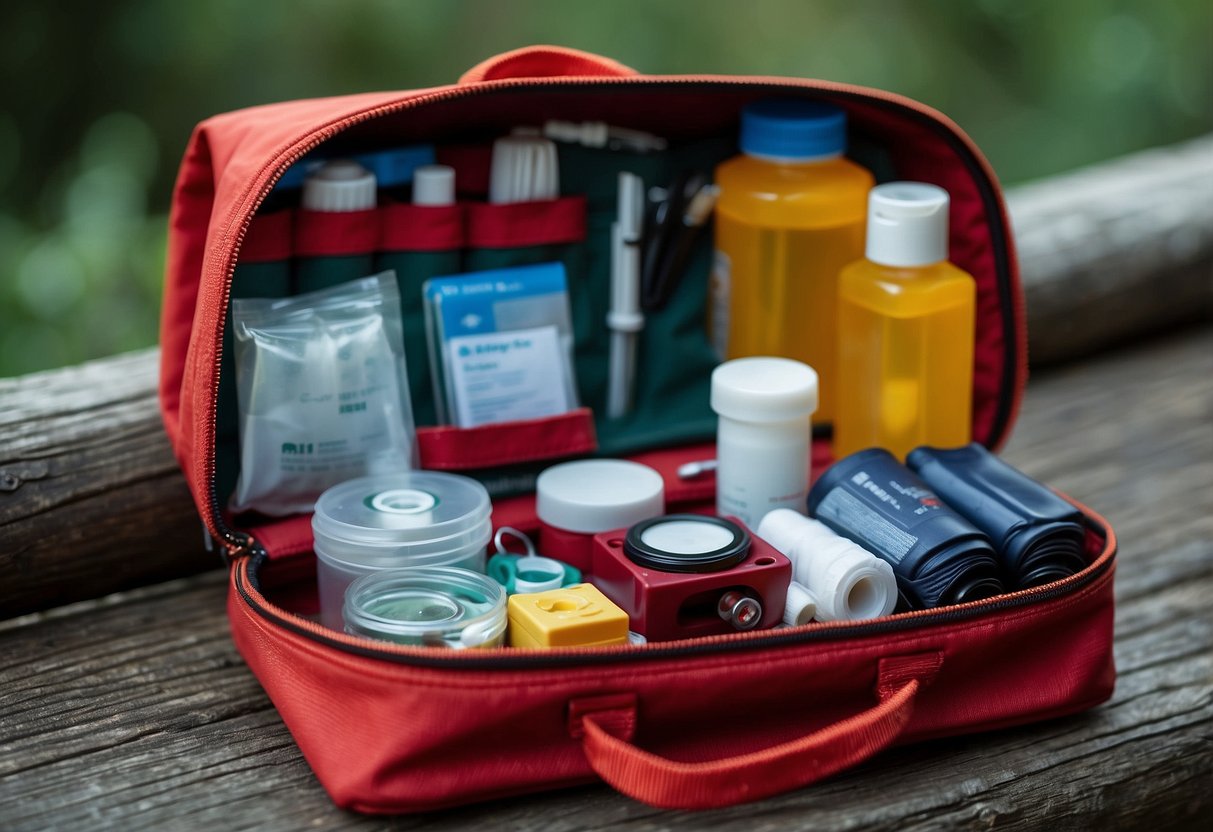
(906,329)
(789,217)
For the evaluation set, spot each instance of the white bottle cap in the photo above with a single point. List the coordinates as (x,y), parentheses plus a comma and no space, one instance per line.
(764,389)
(434,185)
(598,495)
(907,224)
(341,185)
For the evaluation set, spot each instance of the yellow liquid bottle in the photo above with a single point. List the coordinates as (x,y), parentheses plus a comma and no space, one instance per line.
(905,329)
(789,217)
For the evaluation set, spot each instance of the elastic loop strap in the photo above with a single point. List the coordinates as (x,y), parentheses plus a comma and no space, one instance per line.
(670,784)
(544,62)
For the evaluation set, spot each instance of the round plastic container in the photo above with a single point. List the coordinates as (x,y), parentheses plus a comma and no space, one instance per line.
(393,521)
(428,607)
(577,500)
(763,435)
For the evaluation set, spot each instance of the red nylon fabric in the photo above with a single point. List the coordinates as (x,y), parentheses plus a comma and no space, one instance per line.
(406,227)
(543,62)
(269,237)
(527,440)
(670,784)
(336,233)
(526,223)
(387,737)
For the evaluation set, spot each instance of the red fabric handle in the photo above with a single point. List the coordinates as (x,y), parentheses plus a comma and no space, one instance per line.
(670,784)
(544,62)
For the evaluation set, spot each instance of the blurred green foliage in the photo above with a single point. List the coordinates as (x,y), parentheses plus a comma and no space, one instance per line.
(99,99)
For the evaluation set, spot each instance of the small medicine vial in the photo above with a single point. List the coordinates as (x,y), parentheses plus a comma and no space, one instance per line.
(764,435)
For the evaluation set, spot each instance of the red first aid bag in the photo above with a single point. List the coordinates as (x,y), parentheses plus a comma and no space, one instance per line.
(691,724)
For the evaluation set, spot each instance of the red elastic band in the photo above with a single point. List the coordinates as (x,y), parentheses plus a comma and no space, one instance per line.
(421,227)
(553,437)
(336,233)
(268,237)
(519,224)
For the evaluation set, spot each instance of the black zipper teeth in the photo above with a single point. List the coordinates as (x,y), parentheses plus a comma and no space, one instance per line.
(244,543)
(506,660)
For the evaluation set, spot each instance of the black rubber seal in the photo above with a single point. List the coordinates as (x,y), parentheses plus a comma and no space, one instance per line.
(717,560)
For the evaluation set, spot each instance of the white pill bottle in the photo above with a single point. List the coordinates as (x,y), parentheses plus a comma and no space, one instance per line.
(763,441)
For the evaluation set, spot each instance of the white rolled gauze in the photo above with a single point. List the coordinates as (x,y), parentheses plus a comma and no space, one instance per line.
(846,581)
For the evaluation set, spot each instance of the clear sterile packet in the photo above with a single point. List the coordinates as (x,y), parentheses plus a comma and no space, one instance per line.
(322,390)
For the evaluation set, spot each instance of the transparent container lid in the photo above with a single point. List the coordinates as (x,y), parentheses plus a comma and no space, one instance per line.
(424,515)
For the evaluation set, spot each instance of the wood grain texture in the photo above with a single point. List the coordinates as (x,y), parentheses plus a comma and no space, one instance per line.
(135,711)
(91,499)
(1116,249)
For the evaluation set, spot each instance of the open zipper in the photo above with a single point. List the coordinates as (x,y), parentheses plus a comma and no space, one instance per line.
(240,545)
(520,659)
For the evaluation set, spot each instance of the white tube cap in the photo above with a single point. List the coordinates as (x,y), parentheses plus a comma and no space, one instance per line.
(434,185)
(341,185)
(907,224)
(598,495)
(764,389)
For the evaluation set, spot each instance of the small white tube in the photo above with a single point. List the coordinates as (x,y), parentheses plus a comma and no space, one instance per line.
(624,318)
(801,606)
(847,581)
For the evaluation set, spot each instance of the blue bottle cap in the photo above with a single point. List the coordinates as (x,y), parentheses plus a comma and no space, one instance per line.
(791,128)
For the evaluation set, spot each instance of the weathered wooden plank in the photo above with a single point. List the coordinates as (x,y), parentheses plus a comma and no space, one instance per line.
(136,711)
(1116,249)
(91,499)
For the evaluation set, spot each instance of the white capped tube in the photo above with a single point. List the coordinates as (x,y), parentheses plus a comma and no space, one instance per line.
(801,606)
(846,581)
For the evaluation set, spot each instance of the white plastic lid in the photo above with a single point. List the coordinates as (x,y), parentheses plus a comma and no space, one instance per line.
(764,389)
(414,518)
(598,495)
(434,185)
(341,185)
(907,224)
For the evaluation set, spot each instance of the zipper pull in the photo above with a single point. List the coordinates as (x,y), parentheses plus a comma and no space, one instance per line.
(241,545)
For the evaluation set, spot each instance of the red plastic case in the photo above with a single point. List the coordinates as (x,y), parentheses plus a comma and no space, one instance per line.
(667,606)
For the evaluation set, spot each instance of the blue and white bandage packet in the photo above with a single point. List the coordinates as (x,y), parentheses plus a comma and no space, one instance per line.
(501,344)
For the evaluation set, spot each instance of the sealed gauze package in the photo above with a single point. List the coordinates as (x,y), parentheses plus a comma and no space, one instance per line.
(323,392)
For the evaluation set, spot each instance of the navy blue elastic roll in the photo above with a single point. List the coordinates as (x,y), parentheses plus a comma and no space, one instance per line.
(938,557)
(1039,536)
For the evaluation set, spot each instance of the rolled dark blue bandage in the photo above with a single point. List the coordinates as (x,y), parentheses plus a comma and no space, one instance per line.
(1039,536)
(938,557)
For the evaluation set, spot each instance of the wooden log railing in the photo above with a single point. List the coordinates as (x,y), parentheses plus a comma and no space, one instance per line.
(92,502)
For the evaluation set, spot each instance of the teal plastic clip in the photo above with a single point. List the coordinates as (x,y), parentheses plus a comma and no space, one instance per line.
(521,574)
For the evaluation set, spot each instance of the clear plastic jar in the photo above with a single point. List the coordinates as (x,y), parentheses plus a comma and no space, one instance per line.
(428,607)
(396,521)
